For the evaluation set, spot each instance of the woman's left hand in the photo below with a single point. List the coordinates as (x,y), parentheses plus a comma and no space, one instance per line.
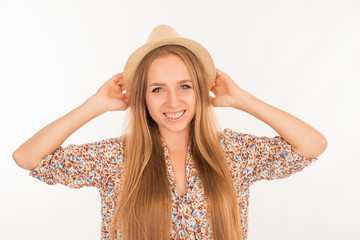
(227,92)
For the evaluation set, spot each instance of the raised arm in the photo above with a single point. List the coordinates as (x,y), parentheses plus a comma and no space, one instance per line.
(303,138)
(109,97)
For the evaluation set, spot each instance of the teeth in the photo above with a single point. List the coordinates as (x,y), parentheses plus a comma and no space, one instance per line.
(176,115)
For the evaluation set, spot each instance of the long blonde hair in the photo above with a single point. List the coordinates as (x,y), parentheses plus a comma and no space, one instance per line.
(144,203)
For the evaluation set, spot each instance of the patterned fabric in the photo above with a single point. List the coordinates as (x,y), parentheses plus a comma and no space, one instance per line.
(101,164)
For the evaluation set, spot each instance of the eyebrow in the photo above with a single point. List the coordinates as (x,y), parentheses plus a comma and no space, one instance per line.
(163,84)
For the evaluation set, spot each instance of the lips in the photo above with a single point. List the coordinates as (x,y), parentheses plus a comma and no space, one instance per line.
(175,115)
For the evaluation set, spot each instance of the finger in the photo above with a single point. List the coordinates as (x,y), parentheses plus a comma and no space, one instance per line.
(125,95)
(115,86)
(218,72)
(119,80)
(122,85)
(211,100)
(117,77)
(113,79)
(127,100)
(219,80)
(215,89)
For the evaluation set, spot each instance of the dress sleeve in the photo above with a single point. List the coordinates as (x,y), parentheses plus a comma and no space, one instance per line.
(77,166)
(263,157)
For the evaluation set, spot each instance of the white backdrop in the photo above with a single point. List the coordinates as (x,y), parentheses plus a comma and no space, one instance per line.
(300,56)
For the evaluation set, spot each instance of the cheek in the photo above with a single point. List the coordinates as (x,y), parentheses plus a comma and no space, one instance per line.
(152,106)
(191,100)
(193,104)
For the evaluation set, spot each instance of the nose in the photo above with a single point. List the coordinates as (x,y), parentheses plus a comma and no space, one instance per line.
(174,99)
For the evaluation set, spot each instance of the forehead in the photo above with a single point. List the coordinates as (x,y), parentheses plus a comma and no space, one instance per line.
(167,69)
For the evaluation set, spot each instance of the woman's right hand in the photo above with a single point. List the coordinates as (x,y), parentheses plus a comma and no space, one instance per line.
(111,95)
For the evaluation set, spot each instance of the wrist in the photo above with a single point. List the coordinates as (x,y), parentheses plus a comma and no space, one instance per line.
(93,106)
(243,100)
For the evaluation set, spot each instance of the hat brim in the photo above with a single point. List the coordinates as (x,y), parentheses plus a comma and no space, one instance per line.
(200,52)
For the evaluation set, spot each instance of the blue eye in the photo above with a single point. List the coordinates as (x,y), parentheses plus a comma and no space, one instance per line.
(186,86)
(156,89)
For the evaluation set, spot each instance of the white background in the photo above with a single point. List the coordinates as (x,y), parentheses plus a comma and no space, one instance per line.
(300,56)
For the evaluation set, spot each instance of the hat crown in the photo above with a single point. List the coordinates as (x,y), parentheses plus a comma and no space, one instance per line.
(161,32)
(164,35)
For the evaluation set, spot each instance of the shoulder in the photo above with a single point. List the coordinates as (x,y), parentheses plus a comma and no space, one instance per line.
(240,138)
(115,143)
(230,135)
(228,138)
(105,145)
(112,145)
(234,141)
(109,151)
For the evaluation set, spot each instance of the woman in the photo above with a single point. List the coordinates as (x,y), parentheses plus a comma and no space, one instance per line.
(173,174)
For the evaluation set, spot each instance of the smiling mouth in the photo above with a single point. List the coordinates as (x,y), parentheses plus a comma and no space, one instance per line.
(176,115)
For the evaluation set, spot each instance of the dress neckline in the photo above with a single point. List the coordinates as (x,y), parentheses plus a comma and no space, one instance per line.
(171,174)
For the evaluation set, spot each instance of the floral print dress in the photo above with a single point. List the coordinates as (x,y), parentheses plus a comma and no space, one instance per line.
(101,164)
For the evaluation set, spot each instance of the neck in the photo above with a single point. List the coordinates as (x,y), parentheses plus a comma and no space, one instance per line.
(176,141)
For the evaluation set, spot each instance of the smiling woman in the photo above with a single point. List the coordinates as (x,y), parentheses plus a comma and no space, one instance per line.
(173,174)
(173,105)
(192,136)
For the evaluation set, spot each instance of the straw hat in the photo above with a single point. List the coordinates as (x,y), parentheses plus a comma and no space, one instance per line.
(166,35)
